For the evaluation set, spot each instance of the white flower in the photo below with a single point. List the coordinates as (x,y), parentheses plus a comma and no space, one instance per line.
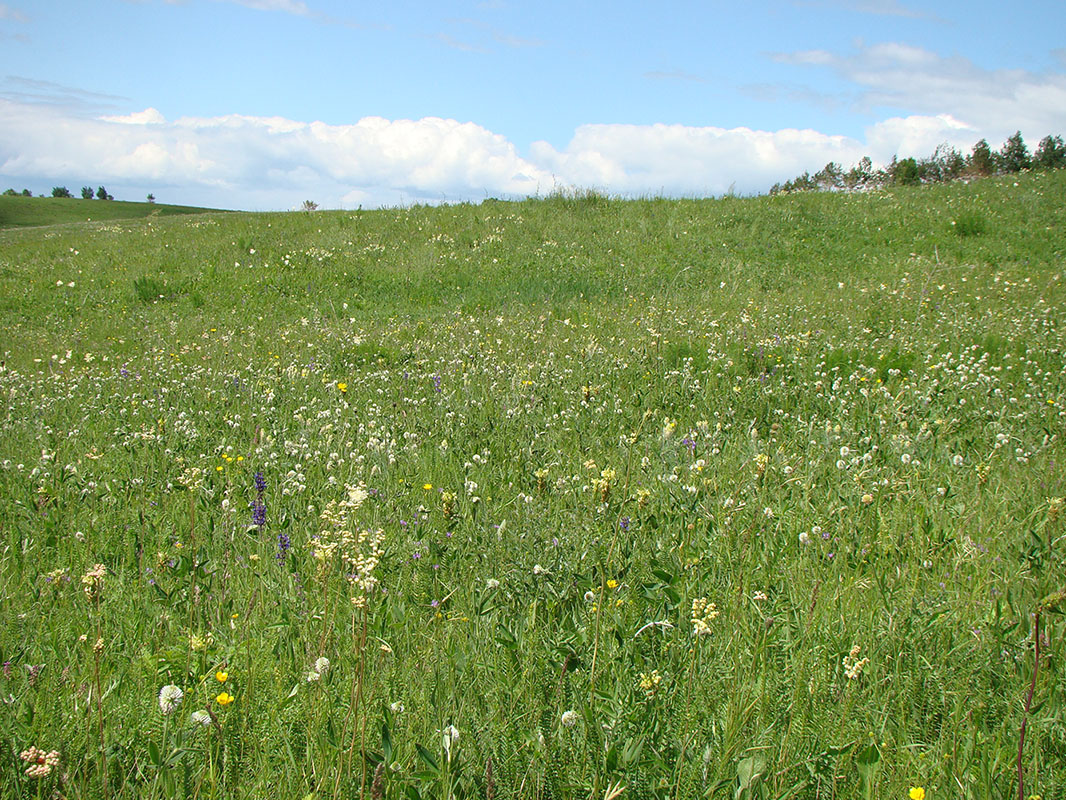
(449,736)
(957,461)
(569,718)
(805,538)
(396,707)
(492,583)
(200,718)
(170,698)
(321,665)
(539,570)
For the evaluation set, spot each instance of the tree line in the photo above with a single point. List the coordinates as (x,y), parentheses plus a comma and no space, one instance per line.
(87,193)
(945,164)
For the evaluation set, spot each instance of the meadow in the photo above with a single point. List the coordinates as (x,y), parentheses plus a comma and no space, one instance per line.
(563,498)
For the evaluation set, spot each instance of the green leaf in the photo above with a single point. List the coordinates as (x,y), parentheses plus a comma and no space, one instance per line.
(749,774)
(868,761)
(386,742)
(427,757)
(153,755)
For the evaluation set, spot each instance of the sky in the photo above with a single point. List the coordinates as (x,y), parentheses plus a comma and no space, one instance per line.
(263,104)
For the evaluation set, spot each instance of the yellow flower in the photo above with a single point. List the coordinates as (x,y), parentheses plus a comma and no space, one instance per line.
(916,793)
(427,486)
(221,676)
(224,699)
(342,387)
(612,584)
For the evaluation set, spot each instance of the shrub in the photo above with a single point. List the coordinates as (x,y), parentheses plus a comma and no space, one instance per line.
(60,191)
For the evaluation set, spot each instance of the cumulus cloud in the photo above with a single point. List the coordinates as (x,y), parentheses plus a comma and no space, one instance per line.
(47,133)
(277,160)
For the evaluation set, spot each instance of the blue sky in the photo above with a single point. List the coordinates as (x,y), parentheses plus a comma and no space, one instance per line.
(261,104)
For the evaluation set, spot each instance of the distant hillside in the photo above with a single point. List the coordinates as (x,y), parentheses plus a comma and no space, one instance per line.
(23,212)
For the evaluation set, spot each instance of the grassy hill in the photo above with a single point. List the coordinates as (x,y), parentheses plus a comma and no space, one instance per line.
(18,211)
(738,498)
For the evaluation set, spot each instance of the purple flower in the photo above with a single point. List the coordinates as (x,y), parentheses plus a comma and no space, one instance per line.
(283,546)
(260,482)
(623,523)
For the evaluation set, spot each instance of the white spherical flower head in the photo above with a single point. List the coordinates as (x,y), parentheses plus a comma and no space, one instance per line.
(170,698)
(569,718)
(321,665)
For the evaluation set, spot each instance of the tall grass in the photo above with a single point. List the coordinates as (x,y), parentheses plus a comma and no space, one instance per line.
(741,498)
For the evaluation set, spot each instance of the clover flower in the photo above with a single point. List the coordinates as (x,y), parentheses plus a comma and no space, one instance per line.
(170,697)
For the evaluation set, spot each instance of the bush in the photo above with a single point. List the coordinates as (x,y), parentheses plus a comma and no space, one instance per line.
(86,193)
(60,191)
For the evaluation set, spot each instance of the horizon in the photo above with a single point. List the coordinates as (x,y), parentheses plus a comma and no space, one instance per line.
(258,109)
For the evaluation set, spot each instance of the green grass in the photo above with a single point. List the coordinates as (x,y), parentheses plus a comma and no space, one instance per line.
(833,417)
(18,211)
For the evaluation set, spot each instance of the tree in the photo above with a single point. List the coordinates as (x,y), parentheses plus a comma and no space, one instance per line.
(1050,153)
(101,194)
(981,160)
(860,175)
(10,193)
(905,172)
(1014,157)
(309,206)
(151,198)
(831,176)
(60,191)
(27,193)
(86,193)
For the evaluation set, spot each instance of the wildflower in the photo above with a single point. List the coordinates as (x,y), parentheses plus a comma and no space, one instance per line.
(449,736)
(224,699)
(492,583)
(221,676)
(612,584)
(427,486)
(916,793)
(539,570)
(93,580)
(804,538)
(649,682)
(669,427)
(569,718)
(867,499)
(200,718)
(342,387)
(703,614)
(853,666)
(396,707)
(322,665)
(170,698)
(41,763)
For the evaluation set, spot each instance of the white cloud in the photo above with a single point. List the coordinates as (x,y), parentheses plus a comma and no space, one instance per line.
(678,159)
(287,6)
(13,14)
(275,162)
(994,103)
(280,162)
